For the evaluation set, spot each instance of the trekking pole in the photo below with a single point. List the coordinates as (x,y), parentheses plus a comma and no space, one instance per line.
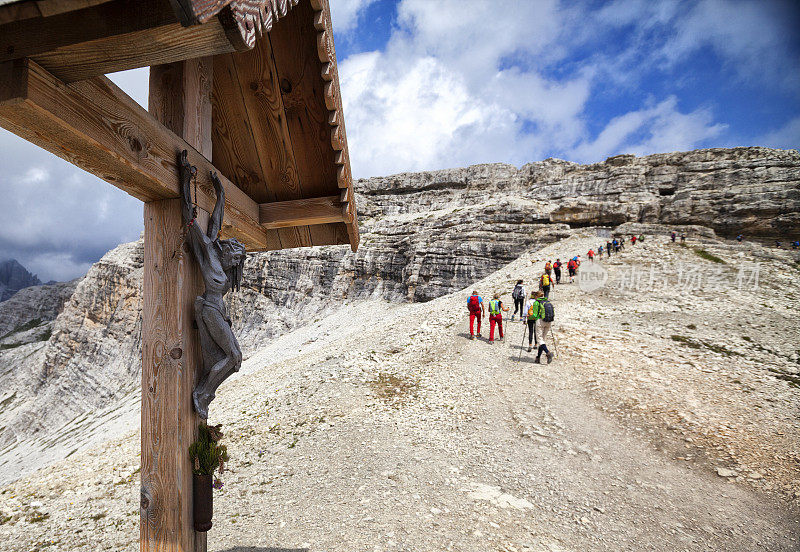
(524,333)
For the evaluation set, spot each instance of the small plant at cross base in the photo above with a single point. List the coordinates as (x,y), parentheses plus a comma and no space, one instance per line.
(207,456)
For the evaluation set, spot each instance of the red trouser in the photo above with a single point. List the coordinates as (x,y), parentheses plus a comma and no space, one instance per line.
(498,318)
(472,317)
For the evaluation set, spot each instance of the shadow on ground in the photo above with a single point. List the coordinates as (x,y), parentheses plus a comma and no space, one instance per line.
(262,549)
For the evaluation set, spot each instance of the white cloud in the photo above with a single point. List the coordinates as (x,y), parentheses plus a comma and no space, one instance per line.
(56,218)
(656,129)
(785,137)
(345,13)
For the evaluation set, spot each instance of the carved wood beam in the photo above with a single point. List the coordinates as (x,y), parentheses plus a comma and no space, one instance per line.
(301,212)
(82,42)
(96,126)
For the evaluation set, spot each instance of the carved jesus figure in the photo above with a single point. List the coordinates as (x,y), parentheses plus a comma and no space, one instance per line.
(221,263)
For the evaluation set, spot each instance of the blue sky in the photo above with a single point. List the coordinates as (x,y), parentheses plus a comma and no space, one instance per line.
(430,84)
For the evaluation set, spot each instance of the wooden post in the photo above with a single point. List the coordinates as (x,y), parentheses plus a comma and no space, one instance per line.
(180,97)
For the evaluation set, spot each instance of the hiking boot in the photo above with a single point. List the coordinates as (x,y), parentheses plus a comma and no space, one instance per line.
(529,349)
(491,342)
(472,337)
(550,357)
(538,359)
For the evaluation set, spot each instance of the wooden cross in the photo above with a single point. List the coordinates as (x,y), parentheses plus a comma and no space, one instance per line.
(250,89)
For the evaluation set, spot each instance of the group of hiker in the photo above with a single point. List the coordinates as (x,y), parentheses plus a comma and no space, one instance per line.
(537,313)
(535,310)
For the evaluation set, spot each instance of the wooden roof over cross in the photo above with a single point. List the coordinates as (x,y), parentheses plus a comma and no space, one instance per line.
(278,135)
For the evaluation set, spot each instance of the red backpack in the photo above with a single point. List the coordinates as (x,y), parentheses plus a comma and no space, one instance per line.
(474,303)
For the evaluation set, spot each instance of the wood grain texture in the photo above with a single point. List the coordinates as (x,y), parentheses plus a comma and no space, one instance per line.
(158,45)
(180,97)
(168,421)
(300,212)
(19,11)
(250,131)
(37,35)
(294,48)
(55,7)
(96,126)
(78,40)
(326,53)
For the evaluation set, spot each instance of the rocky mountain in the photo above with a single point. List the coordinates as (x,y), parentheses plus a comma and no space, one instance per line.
(665,422)
(424,235)
(14,277)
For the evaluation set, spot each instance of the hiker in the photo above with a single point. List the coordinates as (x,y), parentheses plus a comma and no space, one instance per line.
(778,244)
(600,251)
(518,295)
(641,237)
(496,309)
(616,245)
(544,284)
(739,238)
(544,322)
(672,236)
(608,248)
(532,308)
(548,267)
(572,265)
(683,238)
(795,244)
(590,254)
(633,240)
(476,310)
(557,270)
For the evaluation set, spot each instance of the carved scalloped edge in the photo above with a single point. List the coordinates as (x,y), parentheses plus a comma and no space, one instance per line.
(333,101)
(253,18)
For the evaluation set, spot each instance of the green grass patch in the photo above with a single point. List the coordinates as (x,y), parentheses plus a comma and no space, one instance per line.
(689,342)
(30,324)
(702,253)
(7,346)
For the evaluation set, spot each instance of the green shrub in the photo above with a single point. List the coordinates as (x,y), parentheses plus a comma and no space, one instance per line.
(206,453)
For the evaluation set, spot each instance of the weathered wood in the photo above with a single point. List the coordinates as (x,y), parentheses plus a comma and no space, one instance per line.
(96,126)
(300,212)
(255,140)
(326,53)
(76,44)
(55,7)
(170,355)
(18,11)
(294,47)
(180,97)
(165,44)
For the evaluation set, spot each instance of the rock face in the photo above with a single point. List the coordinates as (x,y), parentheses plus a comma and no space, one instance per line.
(14,277)
(424,235)
(89,357)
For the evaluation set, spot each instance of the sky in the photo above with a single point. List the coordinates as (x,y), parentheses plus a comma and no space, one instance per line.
(432,84)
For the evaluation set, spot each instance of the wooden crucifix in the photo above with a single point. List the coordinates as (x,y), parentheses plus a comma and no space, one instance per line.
(249,88)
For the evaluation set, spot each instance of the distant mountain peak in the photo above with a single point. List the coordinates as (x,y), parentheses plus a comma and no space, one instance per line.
(14,277)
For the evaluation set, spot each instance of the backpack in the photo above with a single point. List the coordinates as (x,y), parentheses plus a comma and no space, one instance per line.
(474,303)
(517,293)
(545,280)
(548,266)
(531,310)
(549,312)
(494,306)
